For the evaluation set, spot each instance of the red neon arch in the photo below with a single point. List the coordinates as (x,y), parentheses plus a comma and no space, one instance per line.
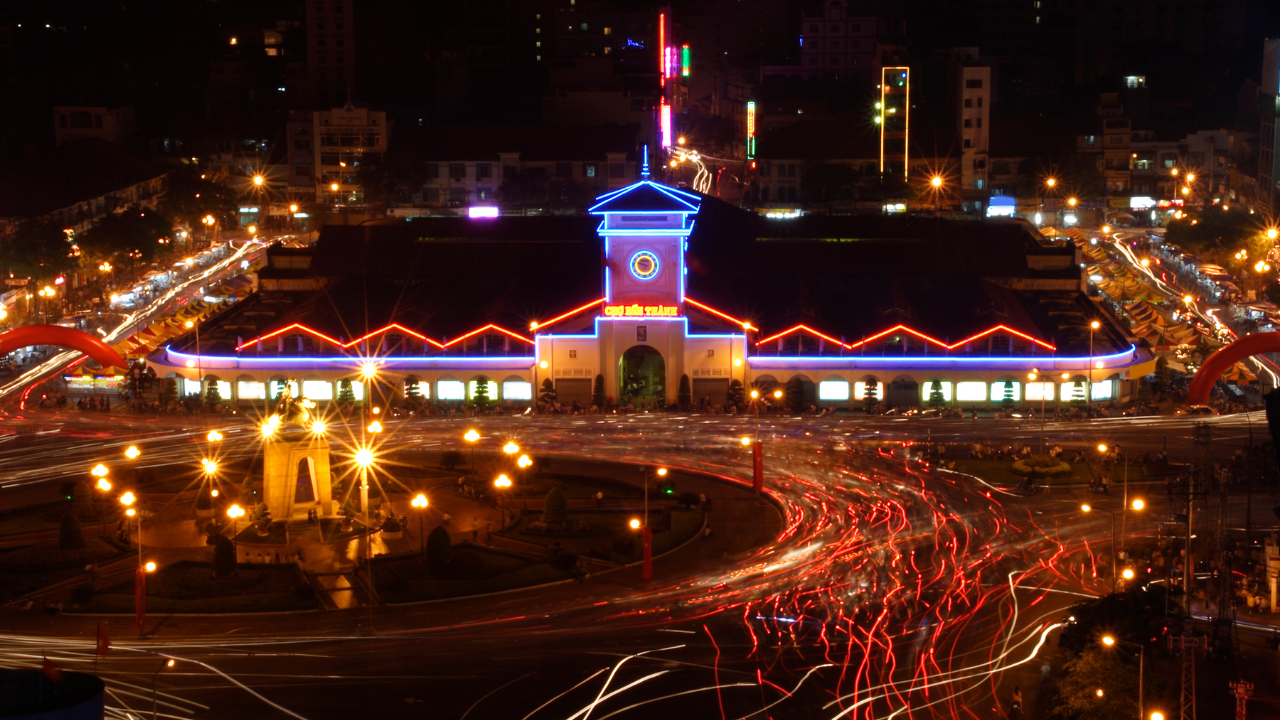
(62,337)
(1224,358)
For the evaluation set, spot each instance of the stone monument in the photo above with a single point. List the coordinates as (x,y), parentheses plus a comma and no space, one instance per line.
(295,466)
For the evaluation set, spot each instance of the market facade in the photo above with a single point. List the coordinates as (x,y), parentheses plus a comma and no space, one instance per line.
(659,289)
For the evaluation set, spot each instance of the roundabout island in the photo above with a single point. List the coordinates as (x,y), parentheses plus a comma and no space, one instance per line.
(495,566)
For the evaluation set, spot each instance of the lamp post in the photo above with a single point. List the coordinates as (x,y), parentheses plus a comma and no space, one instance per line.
(1032,376)
(1093,326)
(199,358)
(471,437)
(646,531)
(104,486)
(1089,508)
(168,664)
(235,512)
(420,502)
(1110,641)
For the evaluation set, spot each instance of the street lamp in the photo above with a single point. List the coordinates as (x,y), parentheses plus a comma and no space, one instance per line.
(523,462)
(1111,641)
(318,427)
(235,512)
(168,664)
(375,427)
(104,486)
(420,502)
(199,358)
(214,436)
(646,536)
(471,436)
(511,448)
(1032,376)
(1093,327)
(1087,508)
(258,180)
(1272,233)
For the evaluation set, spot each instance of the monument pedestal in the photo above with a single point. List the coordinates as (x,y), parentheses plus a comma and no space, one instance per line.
(296,477)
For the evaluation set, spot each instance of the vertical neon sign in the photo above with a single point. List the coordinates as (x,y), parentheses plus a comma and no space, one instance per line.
(751,130)
(662,49)
(664,122)
(685,60)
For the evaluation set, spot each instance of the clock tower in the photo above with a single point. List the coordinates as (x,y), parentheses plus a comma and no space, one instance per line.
(645,227)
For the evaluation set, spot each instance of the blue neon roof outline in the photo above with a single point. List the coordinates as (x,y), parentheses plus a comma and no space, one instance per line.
(679,196)
(346,358)
(598,318)
(906,359)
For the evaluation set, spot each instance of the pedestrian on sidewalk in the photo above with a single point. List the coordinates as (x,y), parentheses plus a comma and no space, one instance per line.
(488,532)
(445,520)
(475,528)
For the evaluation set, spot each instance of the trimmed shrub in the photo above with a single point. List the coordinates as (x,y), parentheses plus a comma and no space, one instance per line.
(555,509)
(450,459)
(70,534)
(439,548)
(224,557)
(1041,466)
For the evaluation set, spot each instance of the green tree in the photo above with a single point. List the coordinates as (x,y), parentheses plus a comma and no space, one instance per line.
(346,396)
(555,509)
(189,198)
(38,250)
(793,394)
(170,392)
(70,534)
(439,548)
(737,394)
(1006,400)
(411,391)
(871,396)
(224,557)
(1162,370)
(597,392)
(126,237)
(548,394)
(1106,670)
(481,397)
(684,396)
(211,395)
(1144,391)
(936,398)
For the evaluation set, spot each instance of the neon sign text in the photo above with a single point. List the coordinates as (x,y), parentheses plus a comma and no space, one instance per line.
(641,311)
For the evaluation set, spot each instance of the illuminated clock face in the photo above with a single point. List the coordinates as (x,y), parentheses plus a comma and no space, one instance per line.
(644,265)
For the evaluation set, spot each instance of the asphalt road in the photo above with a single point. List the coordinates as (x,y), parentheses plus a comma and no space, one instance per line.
(870,585)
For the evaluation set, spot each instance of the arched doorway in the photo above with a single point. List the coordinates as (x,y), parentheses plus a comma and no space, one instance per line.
(643,377)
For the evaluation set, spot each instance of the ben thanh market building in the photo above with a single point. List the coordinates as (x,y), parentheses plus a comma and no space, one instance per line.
(658,283)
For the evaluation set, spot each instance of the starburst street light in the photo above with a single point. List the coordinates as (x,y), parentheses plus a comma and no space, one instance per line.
(258,180)
(364,457)
(368,370)
(746,441)
(524,461)
(502,481)
(511,448)
(317,427)
(214,436)
(375,427)
(936,181)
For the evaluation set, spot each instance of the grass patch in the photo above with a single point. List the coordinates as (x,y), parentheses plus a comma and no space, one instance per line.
(473,570)
(189,587)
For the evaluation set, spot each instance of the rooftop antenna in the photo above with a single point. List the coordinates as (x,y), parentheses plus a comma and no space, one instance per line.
(644,168)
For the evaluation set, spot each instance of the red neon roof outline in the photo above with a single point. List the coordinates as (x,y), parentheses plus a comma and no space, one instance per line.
(571,313)
(490,326)
(807,329)
(295,326)
(740,323)
(918,334)
(393,326)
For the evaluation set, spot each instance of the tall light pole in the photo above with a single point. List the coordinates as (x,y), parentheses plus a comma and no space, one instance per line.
(1109,641)
(471,437)
(235,512)
(1089,508)
(199,359)
(168,664)
(104,486)
(1093,326)
(646,531)
(420,503)
(1032,377)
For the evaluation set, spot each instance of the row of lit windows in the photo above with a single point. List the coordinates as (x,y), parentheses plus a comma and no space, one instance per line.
(248,390)
(970,391)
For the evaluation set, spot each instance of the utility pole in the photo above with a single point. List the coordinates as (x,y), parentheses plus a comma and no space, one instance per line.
(1242,690)
(1189,646)
(1201,435)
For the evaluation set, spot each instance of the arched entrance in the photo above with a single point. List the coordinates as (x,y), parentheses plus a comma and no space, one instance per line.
(643,377)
